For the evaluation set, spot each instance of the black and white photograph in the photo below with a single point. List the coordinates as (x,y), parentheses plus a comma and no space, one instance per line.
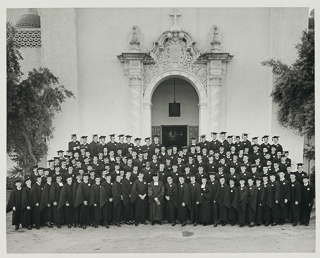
(159,129)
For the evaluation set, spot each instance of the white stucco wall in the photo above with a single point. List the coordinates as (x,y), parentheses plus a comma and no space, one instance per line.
(80,46)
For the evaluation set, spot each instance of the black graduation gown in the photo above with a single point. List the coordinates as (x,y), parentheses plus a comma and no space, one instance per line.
(76,210)
(295,196)
(66,204)
(82,195)
(183,197)
(252,203)
(155,209)
(284,194)
(223,200)
(172,203)
(126,193)
(94,202)
(195,196)
(139,188)
(45,203)
(243,197)
(57,215)
(35,199)
(15,200)
(275,186)
(268,203)
(307,199)
(260,203)
(234,203)
(215,207)
(105,205)
(205,204)
(26,202)
(116,195)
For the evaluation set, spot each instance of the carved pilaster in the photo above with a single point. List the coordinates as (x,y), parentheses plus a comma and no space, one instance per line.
(215,89)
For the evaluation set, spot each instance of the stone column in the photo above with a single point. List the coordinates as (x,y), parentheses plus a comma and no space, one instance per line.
(132,65)
(203,119)
(146,123)
(135,103)
(214,100)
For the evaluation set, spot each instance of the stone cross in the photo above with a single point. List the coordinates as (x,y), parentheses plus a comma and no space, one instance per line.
(175,26)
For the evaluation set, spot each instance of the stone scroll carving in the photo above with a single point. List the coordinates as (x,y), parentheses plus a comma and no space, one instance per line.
(174,51)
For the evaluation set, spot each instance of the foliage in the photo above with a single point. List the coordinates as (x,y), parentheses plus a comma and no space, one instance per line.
(294,88)
(31,107)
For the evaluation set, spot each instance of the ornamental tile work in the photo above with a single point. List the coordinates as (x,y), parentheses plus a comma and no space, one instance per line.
(28,38)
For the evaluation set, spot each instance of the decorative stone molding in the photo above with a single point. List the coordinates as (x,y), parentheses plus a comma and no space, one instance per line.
(174,55)
(174,51)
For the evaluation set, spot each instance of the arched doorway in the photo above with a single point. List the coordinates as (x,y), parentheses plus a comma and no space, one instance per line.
(175,128)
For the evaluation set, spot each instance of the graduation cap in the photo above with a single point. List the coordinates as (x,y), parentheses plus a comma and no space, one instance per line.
(223,132)
(60,151)
(265,136)
(112,135)
(237,137)
(244,134)
(18,180)
(73,135)
(299,164)
(202,136)
(128,136)
(120,135)
(286,151)
(305,176)
(156,136)
(50,160)
(102,137)
(84,137)
(230,136)
(147,138)
(254,138)
(272,174)
(232,179)
(214,133)
(258,178)
(137,139)
(275,137)
(242,178)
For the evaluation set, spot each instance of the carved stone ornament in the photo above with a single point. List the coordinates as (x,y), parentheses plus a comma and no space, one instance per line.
(174,50)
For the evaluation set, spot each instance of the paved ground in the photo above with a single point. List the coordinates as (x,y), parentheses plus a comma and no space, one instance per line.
(162,239)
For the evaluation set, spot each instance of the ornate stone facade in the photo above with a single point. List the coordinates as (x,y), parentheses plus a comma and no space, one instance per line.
(175,55)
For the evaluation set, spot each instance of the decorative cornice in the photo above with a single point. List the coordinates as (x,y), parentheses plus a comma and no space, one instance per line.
(132,56)
(215,56)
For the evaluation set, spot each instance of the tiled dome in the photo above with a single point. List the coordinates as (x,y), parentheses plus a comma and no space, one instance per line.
(30,20)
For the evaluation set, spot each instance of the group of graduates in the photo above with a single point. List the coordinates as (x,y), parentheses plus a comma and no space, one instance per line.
(217,182)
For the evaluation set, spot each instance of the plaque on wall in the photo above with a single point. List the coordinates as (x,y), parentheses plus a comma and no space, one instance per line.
(174,109)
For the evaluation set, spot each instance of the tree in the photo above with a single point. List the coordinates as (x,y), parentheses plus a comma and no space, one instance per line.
(31,107)
(294,90)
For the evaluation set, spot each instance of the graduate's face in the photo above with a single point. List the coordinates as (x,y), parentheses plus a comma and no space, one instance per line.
(231,183)
(69,180)
(118,178)
(128,174)
(204,180)
(28,183)
(305,180)
(18,184)
(140,176)
(49,179)
(155,179)
(281,175)
(212,177)
(222,180)
(258,182)
(39,180)
(58,179)
(292,177)
(169,179)
(181,180)
(232,171)
(192,179)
